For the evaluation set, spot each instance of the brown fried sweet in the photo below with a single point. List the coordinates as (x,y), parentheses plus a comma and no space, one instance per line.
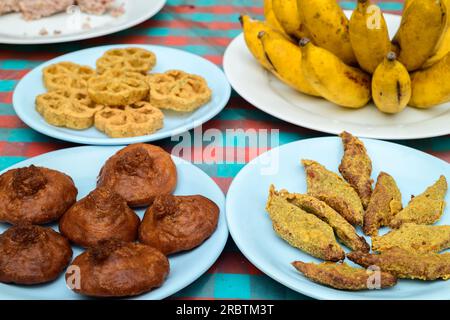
(32,254)
(115,268)
(101,215)
(139,173)
(343,277)
(35,195)
(178,223)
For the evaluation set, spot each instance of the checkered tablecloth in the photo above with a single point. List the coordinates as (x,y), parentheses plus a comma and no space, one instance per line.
(204,27)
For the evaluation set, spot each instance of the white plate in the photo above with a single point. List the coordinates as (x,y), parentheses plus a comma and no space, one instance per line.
(251,228)
(267,93)
(83,165)
(174,122)
(15,30)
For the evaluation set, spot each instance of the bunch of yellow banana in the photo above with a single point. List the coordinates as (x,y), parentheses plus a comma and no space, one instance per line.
(350,62)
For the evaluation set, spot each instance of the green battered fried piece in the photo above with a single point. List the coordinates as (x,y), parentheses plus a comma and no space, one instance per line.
(302,230)
(334,191)
(426,208)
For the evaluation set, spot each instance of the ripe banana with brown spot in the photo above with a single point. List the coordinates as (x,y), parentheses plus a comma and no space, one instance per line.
(328,27)
(287,14)
(369,35)
(271,19)
(444,45)
(286,60)
(333,79)
(421,32)
(431,87)
(391,85)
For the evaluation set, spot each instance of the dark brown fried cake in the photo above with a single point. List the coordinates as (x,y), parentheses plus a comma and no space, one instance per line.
(32,254)
(115,268)
(101,215)
(178,223)
(139,173)
(35,195)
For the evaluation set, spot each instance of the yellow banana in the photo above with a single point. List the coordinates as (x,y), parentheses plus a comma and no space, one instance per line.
(391,85)
(287,14)
(369,35)
(406,4)
(328,27)
(421,30)
(444,46)
(271,19)
(333,79)
(431,86)
(286,59)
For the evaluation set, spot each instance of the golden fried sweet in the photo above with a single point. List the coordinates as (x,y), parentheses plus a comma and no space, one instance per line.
(32,254)
(178,223)
(426,208)
(179,91)
(101,215)
(344,230)
(139,173)
(406,264)
(356,167)
(114,268)
(120,73)
(343,277)
(67,108)
(415,237)
(35,195)
(127,59)
(66,75)
(117,91)
(302,230)
(334,191)
(385,203)
(137,119)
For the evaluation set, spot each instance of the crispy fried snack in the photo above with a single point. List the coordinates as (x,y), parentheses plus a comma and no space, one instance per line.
(415,237)
(344,230)
(178,223)
(426,208)
(117,269)
(406,264)
(32,254)
(385,203)
(66,75)
(67,108)
(120,73)
(356,167)
(343,277)
(302,230)
(117,91)
(127,59)
(179,91)
(101,215)
(139,173)
(35,195)
(137,119)
(334,191)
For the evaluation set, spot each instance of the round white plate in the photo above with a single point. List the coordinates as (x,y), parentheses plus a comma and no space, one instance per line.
(74,25)
(174,122)
(251,228)
(267,93)
(83,165)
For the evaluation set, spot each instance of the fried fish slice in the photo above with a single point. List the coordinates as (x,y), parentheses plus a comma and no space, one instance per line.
(356,167)
(343,277)
(303,230)
(385,203)
(405,264)
(426,208)
(334,191)
(415,237)
(344,230)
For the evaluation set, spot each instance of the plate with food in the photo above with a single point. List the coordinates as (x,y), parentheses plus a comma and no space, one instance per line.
(115,95)
(358,71)
(107,222)
(56,21)
(346,218)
